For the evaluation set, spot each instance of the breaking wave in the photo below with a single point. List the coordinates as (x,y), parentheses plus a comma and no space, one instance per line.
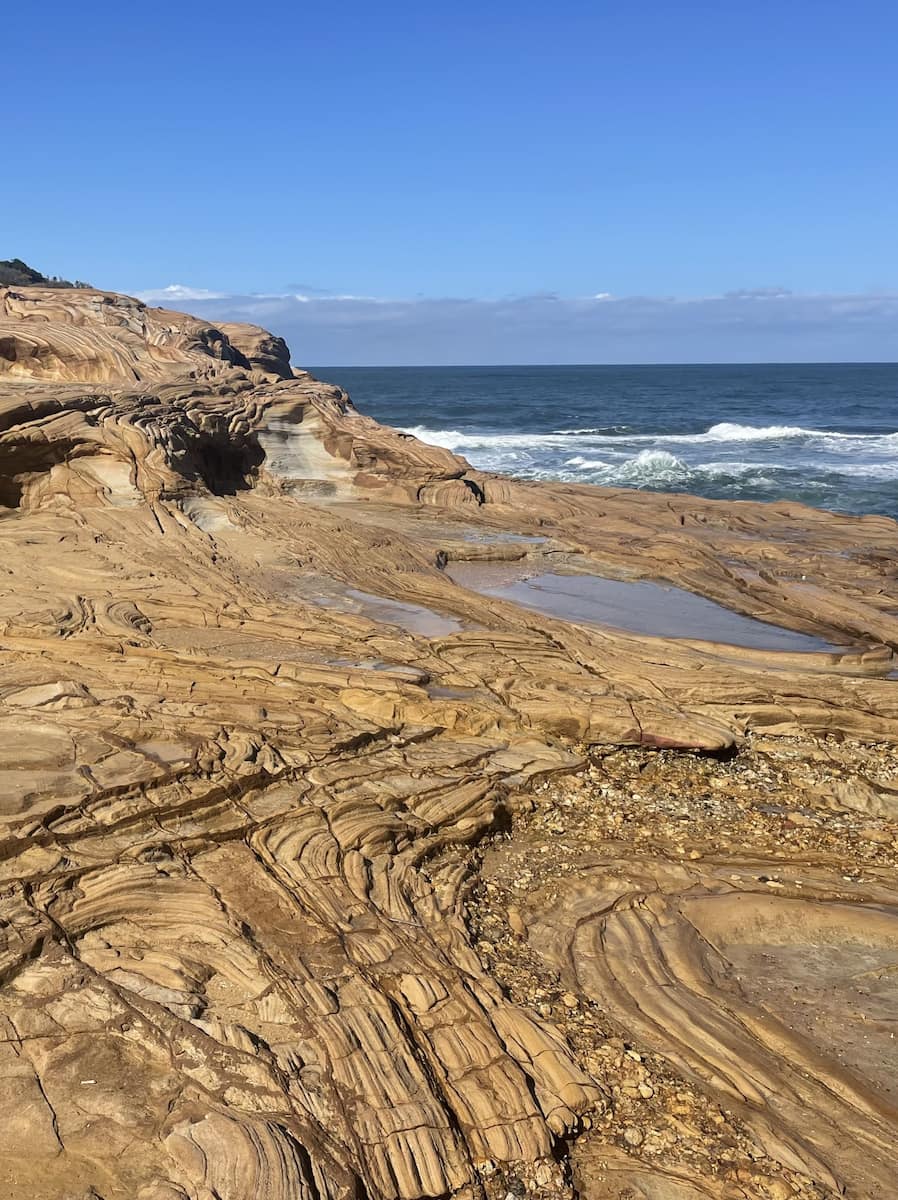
(722,432)
(454,439)
(727,459)
(648,467)
(660,469)
(824,434)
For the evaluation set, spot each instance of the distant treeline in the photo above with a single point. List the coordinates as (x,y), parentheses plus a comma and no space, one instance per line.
(19,274)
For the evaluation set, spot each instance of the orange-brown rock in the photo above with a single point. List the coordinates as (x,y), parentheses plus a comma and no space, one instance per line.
(243,710)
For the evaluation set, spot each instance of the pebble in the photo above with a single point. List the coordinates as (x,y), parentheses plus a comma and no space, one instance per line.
(881,837)
(516,922)
(543,1174)
(778,1189)
(632,1136)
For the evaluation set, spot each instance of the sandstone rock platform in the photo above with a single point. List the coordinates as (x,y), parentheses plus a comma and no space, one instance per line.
(252,733)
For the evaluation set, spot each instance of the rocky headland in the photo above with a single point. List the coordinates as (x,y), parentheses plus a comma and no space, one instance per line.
(330,872)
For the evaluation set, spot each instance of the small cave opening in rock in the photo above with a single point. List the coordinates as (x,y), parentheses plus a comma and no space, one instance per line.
(227,467)
(21,459)
(10,492)
(9,349)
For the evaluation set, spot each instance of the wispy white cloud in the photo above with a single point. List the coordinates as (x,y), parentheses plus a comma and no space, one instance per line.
(177,293)
(767,293)
(745,325)
(180,293)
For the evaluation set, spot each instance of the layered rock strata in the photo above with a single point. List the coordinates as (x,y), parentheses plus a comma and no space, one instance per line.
(249,727)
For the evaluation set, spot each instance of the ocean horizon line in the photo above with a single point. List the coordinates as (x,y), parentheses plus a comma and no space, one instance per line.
(777,362)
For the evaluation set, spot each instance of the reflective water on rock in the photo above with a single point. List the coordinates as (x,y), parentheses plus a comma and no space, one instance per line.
(377,664)
(439,691)
(640,607)
(477,535)
(414,618)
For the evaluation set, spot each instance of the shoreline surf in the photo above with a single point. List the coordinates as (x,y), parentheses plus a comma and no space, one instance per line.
(825,435)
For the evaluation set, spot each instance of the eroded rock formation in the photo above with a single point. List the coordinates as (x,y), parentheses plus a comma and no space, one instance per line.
(249,728)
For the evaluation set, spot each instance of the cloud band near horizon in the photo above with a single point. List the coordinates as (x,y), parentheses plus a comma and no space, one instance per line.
(761,325)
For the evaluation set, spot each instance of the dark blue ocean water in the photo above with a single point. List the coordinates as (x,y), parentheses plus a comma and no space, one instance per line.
(821,433)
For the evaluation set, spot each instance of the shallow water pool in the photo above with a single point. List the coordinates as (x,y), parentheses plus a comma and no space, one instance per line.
(414,618)
(637,606)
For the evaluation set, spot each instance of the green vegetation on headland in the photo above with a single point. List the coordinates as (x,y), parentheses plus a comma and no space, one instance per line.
(18,274)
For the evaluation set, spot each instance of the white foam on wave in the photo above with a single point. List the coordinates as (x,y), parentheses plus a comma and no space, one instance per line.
(651,467)
(455,439)
(728,431)
(664,461)
(869,470)
(646,468)
(773,459)
(661,469)
(600,431)
(723,431)
(731,431)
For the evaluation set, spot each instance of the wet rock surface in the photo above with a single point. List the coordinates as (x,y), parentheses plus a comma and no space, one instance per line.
(637,606)
(250,941)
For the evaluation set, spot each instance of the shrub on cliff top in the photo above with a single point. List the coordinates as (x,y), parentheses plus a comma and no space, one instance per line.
(17,273)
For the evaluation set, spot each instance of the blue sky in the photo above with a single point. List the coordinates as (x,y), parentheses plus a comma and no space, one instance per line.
(487,154)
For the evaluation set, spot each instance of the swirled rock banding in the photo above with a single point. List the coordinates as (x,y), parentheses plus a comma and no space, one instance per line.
(238,790)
